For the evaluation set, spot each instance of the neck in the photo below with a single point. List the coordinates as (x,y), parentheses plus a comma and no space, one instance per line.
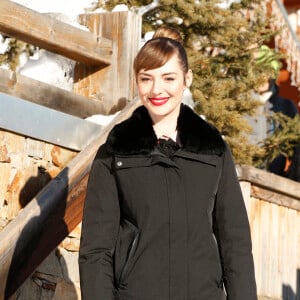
(166,125)
(166,128)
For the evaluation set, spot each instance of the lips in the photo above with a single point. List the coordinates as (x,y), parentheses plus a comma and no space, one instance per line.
(159,101)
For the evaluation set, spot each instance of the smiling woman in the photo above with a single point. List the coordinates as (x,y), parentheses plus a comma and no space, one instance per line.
(162,73)
(164,216)
(161,92)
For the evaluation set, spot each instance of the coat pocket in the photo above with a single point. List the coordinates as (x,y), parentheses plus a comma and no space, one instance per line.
(125,249)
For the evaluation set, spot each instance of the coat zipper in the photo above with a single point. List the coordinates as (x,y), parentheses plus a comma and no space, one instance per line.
(169,209)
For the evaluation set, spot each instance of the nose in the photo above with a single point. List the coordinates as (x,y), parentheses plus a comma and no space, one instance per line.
(156,87)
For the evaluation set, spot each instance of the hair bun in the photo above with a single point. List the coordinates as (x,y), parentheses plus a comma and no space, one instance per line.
(168,32)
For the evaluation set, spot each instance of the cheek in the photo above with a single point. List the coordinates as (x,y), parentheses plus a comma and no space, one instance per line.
(143,90)
(178,91)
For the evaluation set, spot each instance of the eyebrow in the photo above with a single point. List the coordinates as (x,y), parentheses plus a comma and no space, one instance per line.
(164,74)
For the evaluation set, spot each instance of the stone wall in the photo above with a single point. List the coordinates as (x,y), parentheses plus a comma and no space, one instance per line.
(26,166)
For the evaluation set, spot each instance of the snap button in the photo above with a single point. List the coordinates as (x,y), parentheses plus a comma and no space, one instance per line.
(119,163)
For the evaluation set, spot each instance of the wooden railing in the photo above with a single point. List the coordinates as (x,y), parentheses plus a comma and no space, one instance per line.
(273,205)
(48,33)
(104,57)
(47,95)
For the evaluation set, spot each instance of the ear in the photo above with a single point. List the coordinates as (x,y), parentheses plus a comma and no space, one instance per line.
(188,78)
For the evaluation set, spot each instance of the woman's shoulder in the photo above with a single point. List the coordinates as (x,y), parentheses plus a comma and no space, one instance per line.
(135,135)
(197,135)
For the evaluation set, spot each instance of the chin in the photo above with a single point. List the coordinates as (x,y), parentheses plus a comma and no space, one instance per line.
(161,111)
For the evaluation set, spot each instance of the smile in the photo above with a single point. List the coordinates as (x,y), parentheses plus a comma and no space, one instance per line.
(159,101)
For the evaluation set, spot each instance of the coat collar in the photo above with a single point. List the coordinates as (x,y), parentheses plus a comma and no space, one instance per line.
(136,135)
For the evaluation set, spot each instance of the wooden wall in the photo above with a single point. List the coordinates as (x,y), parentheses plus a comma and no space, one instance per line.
(273,205)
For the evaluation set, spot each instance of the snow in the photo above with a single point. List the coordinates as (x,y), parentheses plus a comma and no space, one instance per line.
(70,8)
(120,7)
(227,3)
(50,68)
(3,44)
(102,119)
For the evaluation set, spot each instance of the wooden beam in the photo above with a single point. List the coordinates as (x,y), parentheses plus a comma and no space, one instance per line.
(274,197)
(48,33)
(48,218)
(48,95)
(271,187)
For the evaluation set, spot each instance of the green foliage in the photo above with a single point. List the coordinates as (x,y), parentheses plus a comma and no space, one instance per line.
(223,46)
(11,56)
(285,138)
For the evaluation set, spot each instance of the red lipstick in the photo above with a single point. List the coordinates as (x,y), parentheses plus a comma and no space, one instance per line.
(159,101)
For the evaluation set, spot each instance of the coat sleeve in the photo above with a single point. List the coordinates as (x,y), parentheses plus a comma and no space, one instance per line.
(232,230)
(100,227)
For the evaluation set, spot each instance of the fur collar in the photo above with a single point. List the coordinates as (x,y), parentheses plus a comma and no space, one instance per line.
(136,135)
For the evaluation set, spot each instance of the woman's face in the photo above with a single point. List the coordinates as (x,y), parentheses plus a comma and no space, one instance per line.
(161,89)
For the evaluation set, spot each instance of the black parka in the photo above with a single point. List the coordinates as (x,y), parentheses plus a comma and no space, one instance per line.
(161,228)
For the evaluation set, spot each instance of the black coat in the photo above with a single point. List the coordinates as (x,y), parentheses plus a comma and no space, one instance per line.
(160,228)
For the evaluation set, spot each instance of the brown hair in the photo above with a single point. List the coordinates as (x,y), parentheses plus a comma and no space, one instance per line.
(168,32)
(156,52)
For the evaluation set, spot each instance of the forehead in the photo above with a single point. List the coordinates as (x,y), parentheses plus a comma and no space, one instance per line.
(171,66)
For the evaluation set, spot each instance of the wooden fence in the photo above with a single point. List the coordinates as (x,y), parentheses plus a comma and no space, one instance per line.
(273,205)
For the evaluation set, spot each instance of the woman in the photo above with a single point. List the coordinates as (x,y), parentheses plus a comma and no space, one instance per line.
(164,218)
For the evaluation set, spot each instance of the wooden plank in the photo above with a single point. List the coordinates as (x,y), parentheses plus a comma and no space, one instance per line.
(269,181)
(47,95)
(275,197)
(254,214)
(48,33)
(274,248)
(118,80)
(48,218)
(275,239)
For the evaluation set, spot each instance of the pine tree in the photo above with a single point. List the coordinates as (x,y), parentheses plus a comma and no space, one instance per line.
(283,141)
(222,44)
(11,56)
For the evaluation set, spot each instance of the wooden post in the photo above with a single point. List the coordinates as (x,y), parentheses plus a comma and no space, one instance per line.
(114,84)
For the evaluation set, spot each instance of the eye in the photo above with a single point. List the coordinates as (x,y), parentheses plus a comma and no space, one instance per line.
(144,79)
(169,78)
